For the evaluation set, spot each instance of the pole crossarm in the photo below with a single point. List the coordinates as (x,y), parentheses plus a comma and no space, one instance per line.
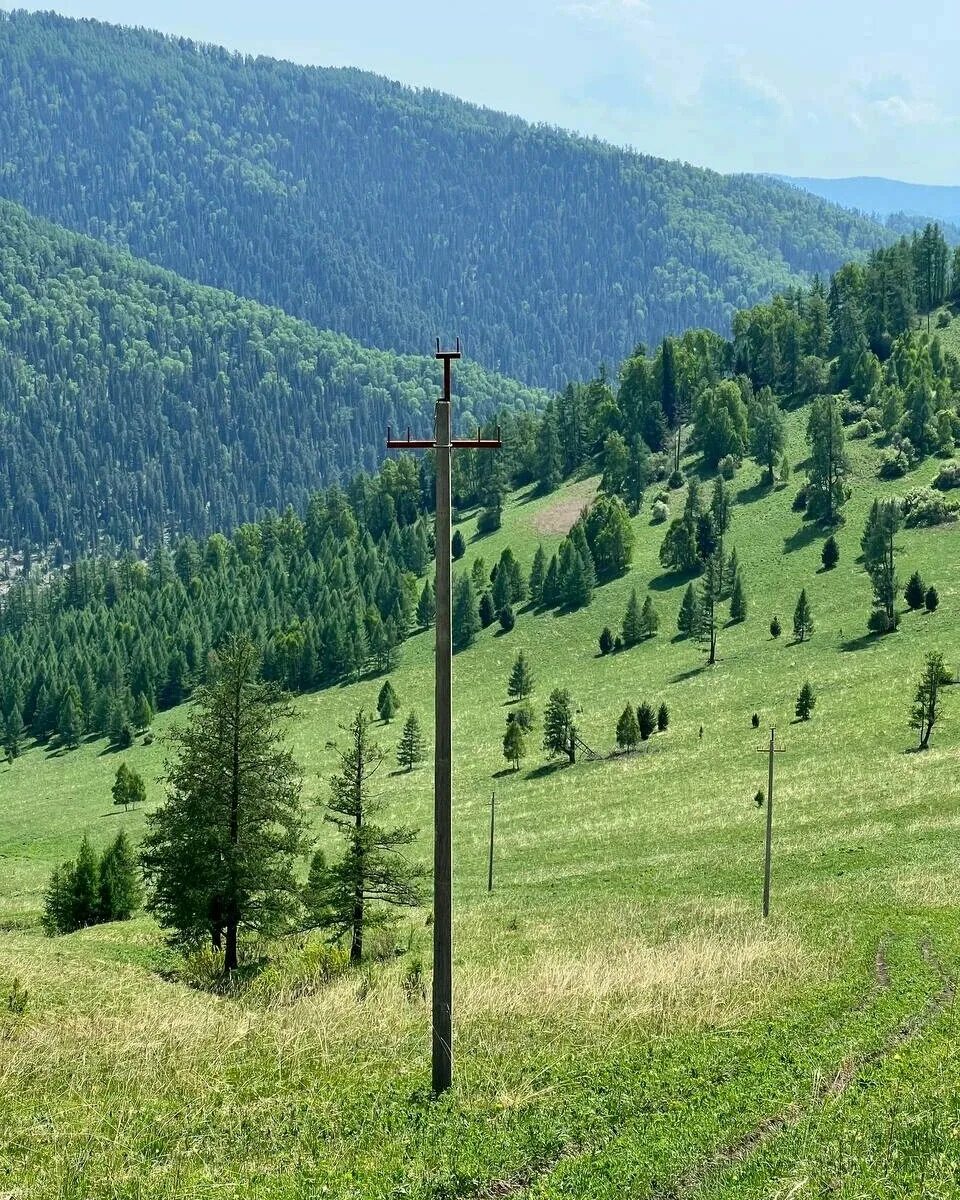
(442,991)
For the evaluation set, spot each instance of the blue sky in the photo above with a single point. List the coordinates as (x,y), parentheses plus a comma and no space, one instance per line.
(803,87)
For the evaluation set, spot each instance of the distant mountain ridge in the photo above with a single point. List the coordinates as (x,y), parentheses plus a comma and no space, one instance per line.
(885,197)
(386,213)
(134,403)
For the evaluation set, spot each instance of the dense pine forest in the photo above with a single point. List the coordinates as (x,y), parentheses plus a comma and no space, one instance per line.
(386,213)
(134,404)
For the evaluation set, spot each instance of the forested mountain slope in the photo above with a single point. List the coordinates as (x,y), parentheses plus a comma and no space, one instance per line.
(386,213)
(133,403)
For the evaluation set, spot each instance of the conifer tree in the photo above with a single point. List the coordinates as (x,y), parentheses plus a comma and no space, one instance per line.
(606,640)
(411,748)
(830,554)
(387,702)
(915,591)
(523,715)
(663,718)
(559,731)
(12,732)
(68,721)
(142,713)
(879,559)
(372,873)
(828,459)
(708,602)
(802,617)
(928,699)
(85,886)
(426,606)
(486,611)
(738,600)
(633,629)
(932,599)
(628,732)
(465,618)
(649,619)
(552,595)
(316,897)
(646,720)
(58,902)
(538,574)
(458,547)
(805,702)
(120,891)
(688,617)
(219,853)
(507,618)
(514,744)
(775,628)
(520,683)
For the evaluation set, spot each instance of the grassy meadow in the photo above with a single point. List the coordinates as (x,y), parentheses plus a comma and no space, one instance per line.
(626,1024)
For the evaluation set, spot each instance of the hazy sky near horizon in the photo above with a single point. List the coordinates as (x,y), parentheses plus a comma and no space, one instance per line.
(822,87)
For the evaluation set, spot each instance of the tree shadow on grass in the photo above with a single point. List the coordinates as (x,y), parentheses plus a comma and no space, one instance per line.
(807,533)
(671,579)
(504,772)
(547,768)
(852,645)
(757,491)
(691,673)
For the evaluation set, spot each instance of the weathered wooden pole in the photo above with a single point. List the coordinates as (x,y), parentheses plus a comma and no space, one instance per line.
(443,770)
(493,802)
(443,445)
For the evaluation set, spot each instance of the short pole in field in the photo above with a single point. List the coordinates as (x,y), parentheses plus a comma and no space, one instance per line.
(770,750)
(493,804)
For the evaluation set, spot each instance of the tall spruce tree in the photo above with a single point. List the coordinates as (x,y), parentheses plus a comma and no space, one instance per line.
(411,748)
(120,891)
(219,854)
(514,744)
(802,617)
(829,464)
(520,683)
(559,731)
(628,732)
(372,876)
(387,702)
(879,560)
(465,618)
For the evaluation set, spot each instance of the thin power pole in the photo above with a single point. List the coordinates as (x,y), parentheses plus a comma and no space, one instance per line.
(493,804)
(768,845)
(443,445)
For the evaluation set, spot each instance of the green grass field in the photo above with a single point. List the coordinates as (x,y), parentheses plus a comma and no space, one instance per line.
(627,1026)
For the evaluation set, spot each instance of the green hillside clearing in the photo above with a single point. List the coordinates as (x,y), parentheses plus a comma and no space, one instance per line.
(626,1024)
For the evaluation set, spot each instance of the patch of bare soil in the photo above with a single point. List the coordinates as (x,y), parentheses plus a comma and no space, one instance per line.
(561,516)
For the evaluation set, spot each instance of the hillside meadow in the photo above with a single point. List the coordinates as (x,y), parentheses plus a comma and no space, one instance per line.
(627,1025)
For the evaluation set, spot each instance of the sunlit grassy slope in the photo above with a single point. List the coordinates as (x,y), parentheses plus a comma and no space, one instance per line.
(627,1026)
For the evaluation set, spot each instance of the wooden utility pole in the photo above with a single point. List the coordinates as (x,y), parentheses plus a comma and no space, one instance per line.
(443,444)
(493,802)
(768,845)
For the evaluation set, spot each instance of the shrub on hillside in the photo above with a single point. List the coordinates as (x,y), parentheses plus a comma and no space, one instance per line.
(948,477)
(862,429)
(727,466)
(923,507)
(660,513)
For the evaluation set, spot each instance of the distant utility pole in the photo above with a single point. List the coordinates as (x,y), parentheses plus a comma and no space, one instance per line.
(443,444)
(768,848)
(493,802)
